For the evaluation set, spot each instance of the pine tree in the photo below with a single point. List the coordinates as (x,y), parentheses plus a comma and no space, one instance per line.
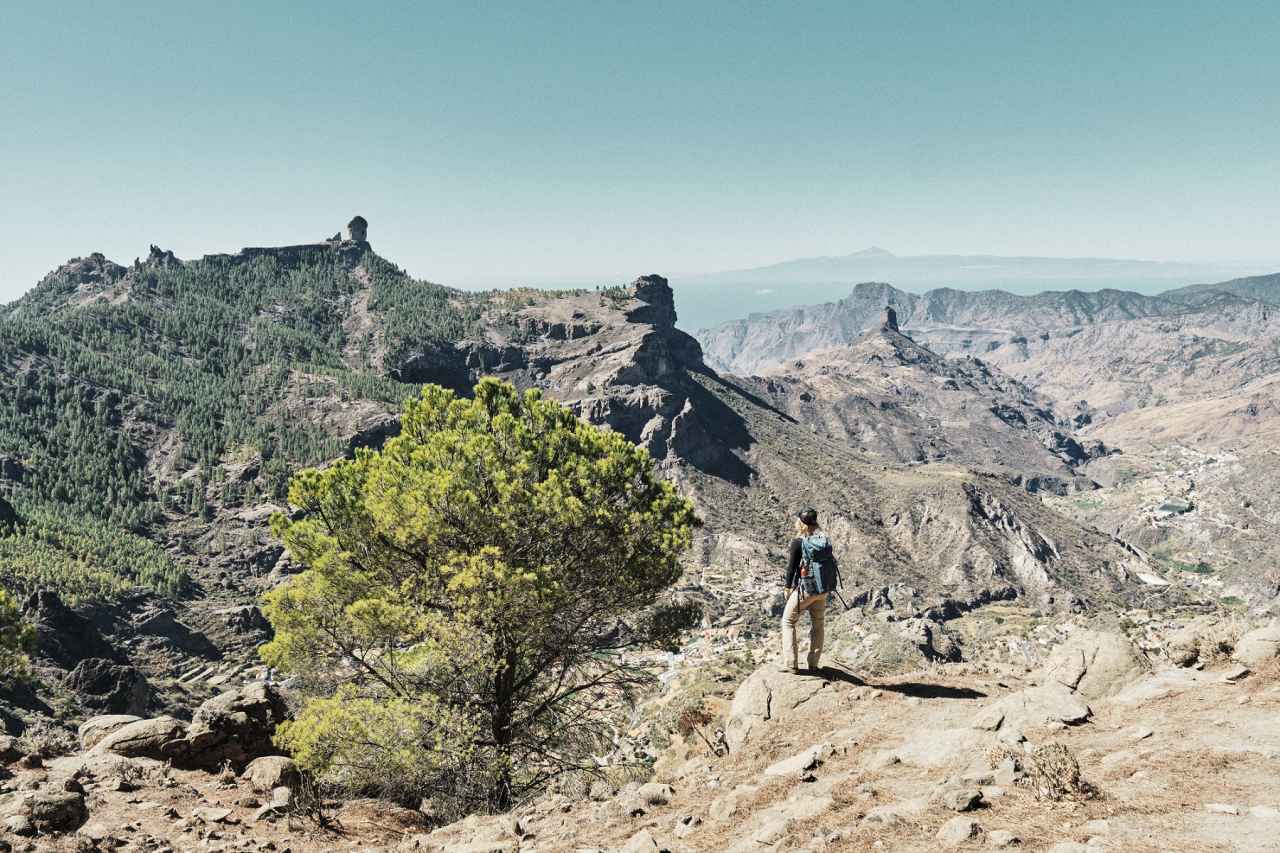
(457,627)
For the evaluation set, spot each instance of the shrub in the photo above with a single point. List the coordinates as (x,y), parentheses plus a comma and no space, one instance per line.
(16,637)
(459,628)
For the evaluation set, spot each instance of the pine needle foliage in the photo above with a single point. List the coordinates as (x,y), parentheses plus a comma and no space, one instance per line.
(461,627)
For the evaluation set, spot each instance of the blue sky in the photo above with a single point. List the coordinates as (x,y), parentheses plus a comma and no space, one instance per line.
(503,143)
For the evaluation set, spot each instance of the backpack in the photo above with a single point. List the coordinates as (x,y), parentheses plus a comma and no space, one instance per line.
(819,571)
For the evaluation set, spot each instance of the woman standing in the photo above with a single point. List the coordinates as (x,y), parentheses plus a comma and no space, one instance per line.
(806,590)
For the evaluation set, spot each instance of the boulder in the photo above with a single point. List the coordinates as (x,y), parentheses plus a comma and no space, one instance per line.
(1034,706)
(1095,664)
(9,751)
(272,771)
(958,830)
(281,801)
(1195,641)
(55,811)
(94,729)
(641,842)
(19,825)
(959,799)
(655,794)
(1259,647)
(798,764)
(109,687)
(999,838)
(235,726)
(160,738)
(767,696)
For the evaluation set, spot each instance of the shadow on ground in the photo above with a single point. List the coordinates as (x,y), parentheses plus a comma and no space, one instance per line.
(917,689)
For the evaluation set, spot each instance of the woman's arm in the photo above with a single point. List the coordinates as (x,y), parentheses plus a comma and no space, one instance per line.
(793,565)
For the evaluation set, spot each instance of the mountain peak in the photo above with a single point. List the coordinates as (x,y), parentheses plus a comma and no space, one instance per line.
(873,252)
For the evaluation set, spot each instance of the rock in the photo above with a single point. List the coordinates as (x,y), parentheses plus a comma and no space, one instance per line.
(1006,773)
(655,794)
(161,622)
(641,842)
(1195,641)
(63,635)
(94,729)
(358,229)
(764,697)
(56,811)
(798,764)
(1069,847)
(272,771)
(958,830)
(1138,733)
(9,751)
(1002,838)
(1234,673)
(109,687)
(281,801)
(1095,664)
(1258,647)
(726,806)
(1223,808)
(686,825)
(236,726)
(960,799)
(100,834)
(1039,706)
(989,719)
(937,747)
(892,814)
(160,738)
(211,814)
(1269,812)
(20,825)
(247,620)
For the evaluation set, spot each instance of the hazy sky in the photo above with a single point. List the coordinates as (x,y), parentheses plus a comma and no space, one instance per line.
(510,142)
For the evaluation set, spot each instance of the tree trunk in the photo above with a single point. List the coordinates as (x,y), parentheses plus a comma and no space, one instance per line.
(500,796)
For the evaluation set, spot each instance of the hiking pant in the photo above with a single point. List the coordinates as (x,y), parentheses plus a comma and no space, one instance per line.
(817,607)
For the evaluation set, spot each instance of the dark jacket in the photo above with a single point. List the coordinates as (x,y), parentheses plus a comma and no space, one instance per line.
(792,576)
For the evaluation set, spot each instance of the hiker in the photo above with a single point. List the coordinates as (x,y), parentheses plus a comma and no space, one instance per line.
(811,574)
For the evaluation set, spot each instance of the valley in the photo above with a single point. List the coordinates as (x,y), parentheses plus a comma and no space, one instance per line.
(976,454)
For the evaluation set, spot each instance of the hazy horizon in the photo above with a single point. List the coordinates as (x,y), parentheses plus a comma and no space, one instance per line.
(587,142)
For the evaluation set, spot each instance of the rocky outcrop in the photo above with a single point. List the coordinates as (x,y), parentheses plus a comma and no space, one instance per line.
(109,688)
(1095,664)
(162,738)
(55,811)
(1047,704)
(92,731)
(1260,646)
(769,698)
(63,635)
(236,726)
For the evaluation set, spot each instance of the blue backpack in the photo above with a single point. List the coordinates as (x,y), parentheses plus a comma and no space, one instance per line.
(819,571)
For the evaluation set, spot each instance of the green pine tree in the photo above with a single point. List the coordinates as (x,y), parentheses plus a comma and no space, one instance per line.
(457,627)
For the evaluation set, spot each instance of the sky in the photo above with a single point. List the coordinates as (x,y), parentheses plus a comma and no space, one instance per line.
(508,143)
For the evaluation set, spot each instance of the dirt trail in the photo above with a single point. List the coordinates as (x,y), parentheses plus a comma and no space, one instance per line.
(1172,757)
(1184,760)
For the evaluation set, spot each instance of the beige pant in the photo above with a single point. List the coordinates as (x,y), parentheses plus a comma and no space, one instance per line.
(817,607)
